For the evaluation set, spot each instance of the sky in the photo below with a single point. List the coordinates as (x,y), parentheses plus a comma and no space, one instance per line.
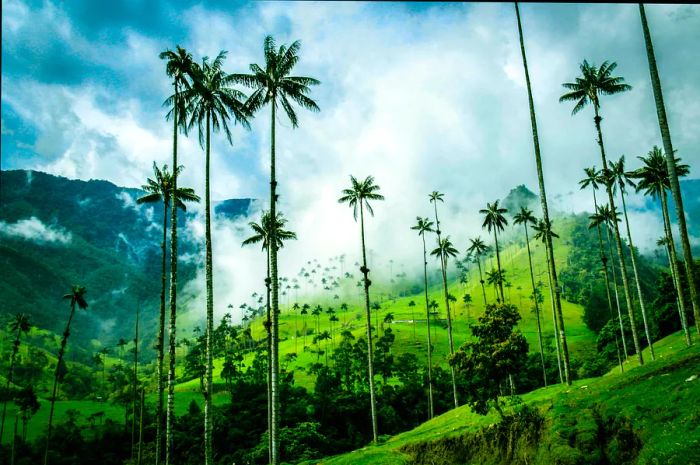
(423,97)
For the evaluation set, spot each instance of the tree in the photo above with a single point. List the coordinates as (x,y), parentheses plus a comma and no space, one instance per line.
(654,180)
(619,178)
(263,234)
(359,195)
(273,85)
(20,324)
(549,247)
(212,102)
(587,89)
(477,248)
(27,404)
(494,220)
(525,217)
(592,179)
(444,250)
(178,67)
(160,189)
(672,169)
(498,350)
(76,297)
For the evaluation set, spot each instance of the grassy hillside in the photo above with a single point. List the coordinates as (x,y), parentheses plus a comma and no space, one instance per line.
(650,414)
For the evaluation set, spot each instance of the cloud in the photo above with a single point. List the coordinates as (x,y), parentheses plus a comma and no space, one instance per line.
(32,229)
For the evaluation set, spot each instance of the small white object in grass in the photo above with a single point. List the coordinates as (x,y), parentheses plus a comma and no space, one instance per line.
(692,378)
(584,387)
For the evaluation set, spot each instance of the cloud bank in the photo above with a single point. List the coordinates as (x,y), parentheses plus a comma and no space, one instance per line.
(32,229)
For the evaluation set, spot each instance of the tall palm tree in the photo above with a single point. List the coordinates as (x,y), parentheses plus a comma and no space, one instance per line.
(359,195)
(212,103)
(525,217)
(592,180)
(423,226)
(263,234)
(605,216)
(20,324)
(543,231)
(273,85)
(444,250)
(494,220)
(620,179)
(178,67)
(587,89)
(549,247)
(76,297)
(477,248)
(160,189)
(672,169)
(653,180)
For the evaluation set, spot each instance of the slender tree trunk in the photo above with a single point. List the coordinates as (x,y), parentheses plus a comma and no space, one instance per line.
(618,241)
(671,166)
(633,254)
(443,266)
(138,460)
(617,296)
(604,262)
(170,414)
(554,280)
(61,351)
(274,384)
(208,388)
(14,440)
(537,308)
(268,329)
(673,264)
(161,328)
(134,389)
(15,349)
(498,263)
(370,352)
(481,280)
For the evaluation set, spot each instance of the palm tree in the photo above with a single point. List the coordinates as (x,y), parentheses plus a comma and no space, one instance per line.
(619,178)
(592,180)
(444,250)
(549,247)
(178,67)
(275,86)
(304,311)
(587,89)
(672,169)
(159,189)
(76,297)
(525,217)
(263,234)
(654,180)
(477,248)
(494,219)
(359,195)
(605,216)
(212,102)
(20,324)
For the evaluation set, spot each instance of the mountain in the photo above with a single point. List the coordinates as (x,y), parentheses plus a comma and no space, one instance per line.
(56,232)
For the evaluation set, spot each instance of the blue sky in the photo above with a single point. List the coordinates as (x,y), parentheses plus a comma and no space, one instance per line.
(424,97)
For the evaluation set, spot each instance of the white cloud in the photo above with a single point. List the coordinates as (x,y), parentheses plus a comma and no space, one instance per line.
(32,229)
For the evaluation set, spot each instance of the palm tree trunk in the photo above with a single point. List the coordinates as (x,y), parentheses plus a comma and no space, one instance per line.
(15,349)
(617,296)
(673,264)
(604,262)
(537,308)
(269,360)
(481,280)
(134,389)
(208,391)
(274,380)
(498,263)
(633,254)
(161,331)
(370,352)
(618,240)
(671,166)
(554,281)
(139,456)
(61,351)
(170,414)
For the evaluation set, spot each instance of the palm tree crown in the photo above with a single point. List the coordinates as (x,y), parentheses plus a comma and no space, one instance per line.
(477,247)
(360,194)
(77,297)
(262,231)
(592,179)
(524,216)
(20,324)
(593,82)
(445,249)
(494,218)
(423,225)
(159,189)
(653,176)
